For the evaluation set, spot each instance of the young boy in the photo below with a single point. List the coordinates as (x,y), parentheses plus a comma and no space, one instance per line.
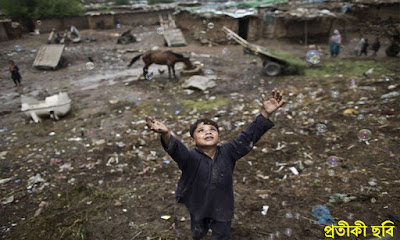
(206,185)
(16,77)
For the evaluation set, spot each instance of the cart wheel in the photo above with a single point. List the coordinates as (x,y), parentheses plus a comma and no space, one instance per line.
(272,69)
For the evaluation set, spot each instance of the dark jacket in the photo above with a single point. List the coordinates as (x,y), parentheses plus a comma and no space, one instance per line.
(206,185)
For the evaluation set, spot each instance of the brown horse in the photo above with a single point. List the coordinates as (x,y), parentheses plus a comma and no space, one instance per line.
(168,58)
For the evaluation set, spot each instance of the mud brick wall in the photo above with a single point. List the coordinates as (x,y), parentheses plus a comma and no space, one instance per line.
(255,29)
(197,26)
(141,18)
(318,30)
(62,23)
(377,13)
(3,32)
(103,21)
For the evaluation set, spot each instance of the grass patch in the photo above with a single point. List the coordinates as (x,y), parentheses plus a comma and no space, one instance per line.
(348,68)
(295,64)
(204,105)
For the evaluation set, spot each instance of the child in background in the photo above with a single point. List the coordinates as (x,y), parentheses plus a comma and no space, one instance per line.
(206,184)
(364,48)
(375,46)
(16,77)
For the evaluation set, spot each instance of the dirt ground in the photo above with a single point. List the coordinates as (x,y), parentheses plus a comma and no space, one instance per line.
(101,174)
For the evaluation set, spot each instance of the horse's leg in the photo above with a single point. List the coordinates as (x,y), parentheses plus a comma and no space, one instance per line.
(145,70)
(173,70)
(169,71)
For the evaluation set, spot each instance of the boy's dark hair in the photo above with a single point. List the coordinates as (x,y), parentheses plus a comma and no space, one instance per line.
(205,121)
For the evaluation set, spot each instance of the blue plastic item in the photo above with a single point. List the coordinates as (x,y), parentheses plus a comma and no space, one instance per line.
(323,215)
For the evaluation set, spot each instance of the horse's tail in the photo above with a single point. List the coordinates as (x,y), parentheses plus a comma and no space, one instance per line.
(134,59)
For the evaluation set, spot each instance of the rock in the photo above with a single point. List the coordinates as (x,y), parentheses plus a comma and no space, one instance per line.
(117,203)
(199,82)
(5,180)
(308,162)
(8,200)
(390,95)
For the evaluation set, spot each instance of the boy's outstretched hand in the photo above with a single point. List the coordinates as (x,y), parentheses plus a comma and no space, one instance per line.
(155,125)
(272,104)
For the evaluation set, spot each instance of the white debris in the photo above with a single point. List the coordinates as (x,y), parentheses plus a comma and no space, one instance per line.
(199,82)
(5,180)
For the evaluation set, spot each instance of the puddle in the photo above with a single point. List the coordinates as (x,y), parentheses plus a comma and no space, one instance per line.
(109,78)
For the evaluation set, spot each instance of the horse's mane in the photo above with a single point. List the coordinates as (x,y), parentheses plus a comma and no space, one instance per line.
(177,54)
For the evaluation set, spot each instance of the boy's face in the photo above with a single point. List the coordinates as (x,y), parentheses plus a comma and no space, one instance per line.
(205,135)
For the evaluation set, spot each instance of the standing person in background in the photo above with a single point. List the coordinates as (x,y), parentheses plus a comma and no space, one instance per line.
(364,48)
(375,46)
(335,42)
(16,77)
(360,46)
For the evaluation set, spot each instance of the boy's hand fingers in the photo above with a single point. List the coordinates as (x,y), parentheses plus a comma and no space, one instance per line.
(262,98)
(151,119)
(281,104)
(279,97)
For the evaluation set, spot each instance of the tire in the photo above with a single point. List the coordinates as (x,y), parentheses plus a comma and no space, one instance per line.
(272,69)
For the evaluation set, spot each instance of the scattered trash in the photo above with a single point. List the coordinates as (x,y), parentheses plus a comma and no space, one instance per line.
(166,161)
(8,200)
(340,198)
(54,106)
(280,147)
(35,179)
(323,215)
(117,203)
(390,95)
(113,101)
(350,111)
(265,210)
(294,170)
(165,217)
(42,205)
(368,73)
(5,180)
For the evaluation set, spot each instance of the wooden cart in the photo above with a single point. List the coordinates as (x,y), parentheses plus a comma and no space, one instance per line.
(272,65)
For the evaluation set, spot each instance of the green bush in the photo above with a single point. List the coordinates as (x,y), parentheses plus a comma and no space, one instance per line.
(35,9)
(121,2)
(159,1)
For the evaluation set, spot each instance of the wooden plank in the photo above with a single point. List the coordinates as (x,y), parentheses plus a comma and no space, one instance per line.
(174,38)
(257,50)
(48,56)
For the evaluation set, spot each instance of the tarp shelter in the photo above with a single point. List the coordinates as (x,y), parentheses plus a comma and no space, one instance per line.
(48,56)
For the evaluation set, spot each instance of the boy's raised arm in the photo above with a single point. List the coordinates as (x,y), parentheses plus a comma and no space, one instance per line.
(158,127)
(242,145)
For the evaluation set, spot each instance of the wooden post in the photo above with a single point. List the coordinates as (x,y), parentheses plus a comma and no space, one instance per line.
(305,33)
